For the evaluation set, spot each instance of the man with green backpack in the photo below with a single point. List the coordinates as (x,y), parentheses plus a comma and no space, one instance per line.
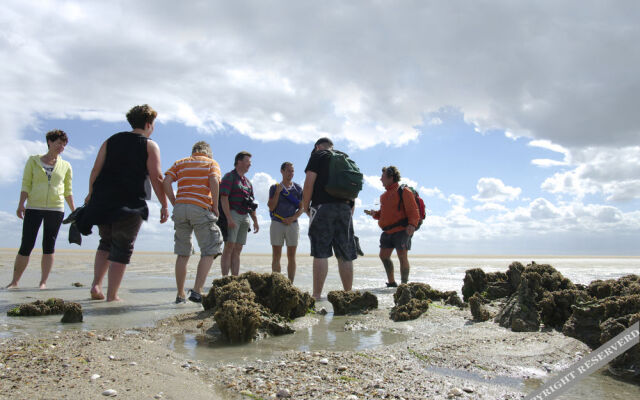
(332,184)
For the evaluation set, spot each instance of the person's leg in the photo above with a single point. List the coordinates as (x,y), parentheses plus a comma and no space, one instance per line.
(225,261)
(276,254)
(385,257)
(204,265)
(30,227)
(19,265)
(51,227)
(403,255)
(181,274)
(291,262)
(116,272)
(45,266)
(346,273)
(124,234)
(320,269)
(100,268)
(235,259)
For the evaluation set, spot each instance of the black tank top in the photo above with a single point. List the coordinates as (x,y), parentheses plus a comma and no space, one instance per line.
(121,180)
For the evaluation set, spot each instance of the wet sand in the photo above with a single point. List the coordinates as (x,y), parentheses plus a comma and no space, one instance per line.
(368,356)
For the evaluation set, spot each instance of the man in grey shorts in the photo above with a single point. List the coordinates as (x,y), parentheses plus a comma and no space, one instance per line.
(284,208)
(195,209)
(238,205)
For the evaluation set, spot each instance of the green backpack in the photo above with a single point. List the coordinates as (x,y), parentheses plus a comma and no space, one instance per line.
(345,179)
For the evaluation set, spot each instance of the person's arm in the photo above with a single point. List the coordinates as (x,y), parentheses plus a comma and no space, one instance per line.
(70,202)
(21,207)
(273,200)
(214,187)
(168,190)
(224,202)
(97,167)
(155,176)
(256,228)
(307,190)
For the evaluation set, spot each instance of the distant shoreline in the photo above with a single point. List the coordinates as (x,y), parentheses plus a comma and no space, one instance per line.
(470,256)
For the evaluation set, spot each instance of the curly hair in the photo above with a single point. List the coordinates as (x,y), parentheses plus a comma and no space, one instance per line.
(391,172)
(56,134)
(139,116)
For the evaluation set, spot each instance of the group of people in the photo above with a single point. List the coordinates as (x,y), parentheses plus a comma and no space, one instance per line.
(218,208)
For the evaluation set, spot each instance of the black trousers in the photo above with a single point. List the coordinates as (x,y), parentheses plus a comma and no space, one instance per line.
(31,225)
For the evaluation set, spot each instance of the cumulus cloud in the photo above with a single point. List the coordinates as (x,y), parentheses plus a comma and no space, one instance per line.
(432,192)
(261,182)
(277,71)
(494,190)
(613,172)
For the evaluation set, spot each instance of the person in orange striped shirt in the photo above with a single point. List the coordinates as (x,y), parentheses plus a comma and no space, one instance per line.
(195,209)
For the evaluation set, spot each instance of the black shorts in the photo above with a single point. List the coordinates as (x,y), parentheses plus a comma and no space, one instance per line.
(397,240)
(332,228)
(118,238)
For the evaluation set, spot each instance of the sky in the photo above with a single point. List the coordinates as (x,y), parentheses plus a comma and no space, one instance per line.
(517,122)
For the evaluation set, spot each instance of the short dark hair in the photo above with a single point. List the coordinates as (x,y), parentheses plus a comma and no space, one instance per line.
(240,156)
(320,141)
(56,134)
(285,165)
(139,116)
(391,172)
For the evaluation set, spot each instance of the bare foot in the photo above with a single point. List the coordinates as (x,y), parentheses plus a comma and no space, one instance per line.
(43,286)
(12,286)
(96,294)
(115,299)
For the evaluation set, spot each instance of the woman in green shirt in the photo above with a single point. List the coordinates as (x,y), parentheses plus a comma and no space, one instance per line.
(46,183)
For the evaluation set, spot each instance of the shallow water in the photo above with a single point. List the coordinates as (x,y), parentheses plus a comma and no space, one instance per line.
(148,290)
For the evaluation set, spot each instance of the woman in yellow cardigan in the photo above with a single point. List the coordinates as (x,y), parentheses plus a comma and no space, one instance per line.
(46,183)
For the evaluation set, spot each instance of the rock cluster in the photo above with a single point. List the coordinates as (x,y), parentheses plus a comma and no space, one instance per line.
(538,293)
(412,300)
(478,310)
(351,302)
(251,303)
(53,306)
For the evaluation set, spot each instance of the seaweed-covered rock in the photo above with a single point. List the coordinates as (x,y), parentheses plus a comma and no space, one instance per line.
(410,310)
(287,300)
(274,324)
(584,323)
(479,312)
(274,291)
(626,285)
(238,320)
(420,291)
(555,307)
(351,302)
(520,313)
(543,278)
(455,300)
(72,313)
(37,308)
(514,274)
(475,281)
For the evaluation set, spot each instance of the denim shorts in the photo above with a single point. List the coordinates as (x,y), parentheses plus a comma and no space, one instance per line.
(188,218)
(331,228)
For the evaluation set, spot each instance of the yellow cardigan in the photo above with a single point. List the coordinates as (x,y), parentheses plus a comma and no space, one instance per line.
(42,192)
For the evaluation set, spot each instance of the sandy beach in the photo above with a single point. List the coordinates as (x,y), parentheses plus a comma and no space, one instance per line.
(173,353)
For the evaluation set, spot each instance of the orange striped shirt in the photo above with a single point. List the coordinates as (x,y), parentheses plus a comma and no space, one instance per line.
(192,175)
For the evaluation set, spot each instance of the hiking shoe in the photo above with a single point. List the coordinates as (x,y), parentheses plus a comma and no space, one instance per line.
(180,300)
(195,297)
(392,284)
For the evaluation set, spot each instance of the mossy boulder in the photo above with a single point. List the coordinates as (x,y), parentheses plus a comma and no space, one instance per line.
(410,310)
(252,304)
(72,313)
(629,284)
(351,302)
(520,313)
(556,307)
(478,310)
(475,281)
(37,308)
(492,285)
